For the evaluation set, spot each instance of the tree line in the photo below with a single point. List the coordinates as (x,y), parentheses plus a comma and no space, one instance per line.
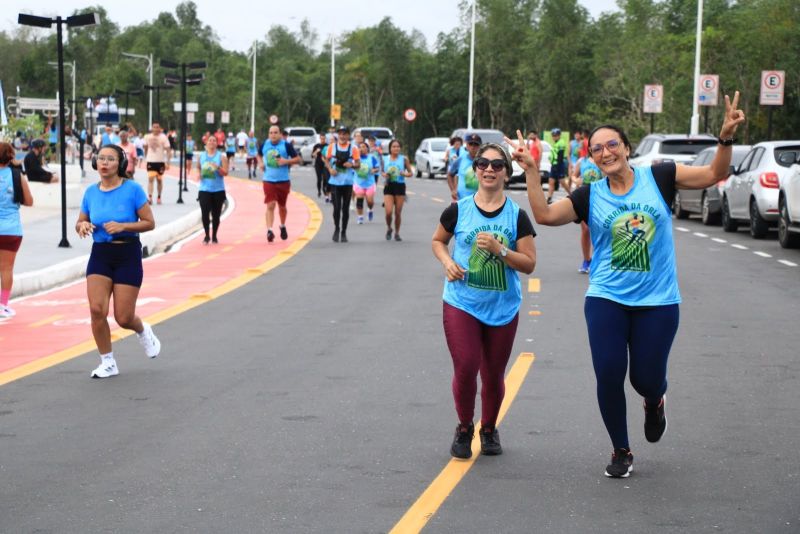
(538,64)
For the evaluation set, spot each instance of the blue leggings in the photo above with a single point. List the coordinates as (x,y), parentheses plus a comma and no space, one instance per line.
(615,331)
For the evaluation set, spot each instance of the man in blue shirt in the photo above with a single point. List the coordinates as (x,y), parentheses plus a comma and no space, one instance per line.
(274,158)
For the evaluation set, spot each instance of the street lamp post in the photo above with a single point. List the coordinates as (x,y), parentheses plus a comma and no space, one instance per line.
(157,89)
(74,21)
(333,79)
(184,80)
(127,99)
(253,94)
(72,67)
(149,59)
(695,122)
(471,66)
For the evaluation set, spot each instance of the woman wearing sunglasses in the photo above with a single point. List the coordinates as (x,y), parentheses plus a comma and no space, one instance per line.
(114,211)
(632,302)
(482,294)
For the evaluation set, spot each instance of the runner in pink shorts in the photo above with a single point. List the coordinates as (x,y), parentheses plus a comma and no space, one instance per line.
(364,184)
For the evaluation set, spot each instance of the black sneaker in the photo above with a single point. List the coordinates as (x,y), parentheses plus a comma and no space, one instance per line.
(214,241)
(336,235)
(270,236)
(206,240)
(621,465)
(462,442)
(655,421)
(397,237)
(344,237)
(284,233)
(490,442)
(388,234)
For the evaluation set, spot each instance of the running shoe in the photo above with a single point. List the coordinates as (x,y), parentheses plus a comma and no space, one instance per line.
(360,219)
(150,199)
(490,442)
(107,367)
(397,237)
(621,465)
(344,237)
(270,236)
(462,442)
(284,233)
(149,341)
(336,235)
(389,235)
(206,240)
(369,215)
(584,268)
(549,200)
(6,312)
(655,421)
(214,241)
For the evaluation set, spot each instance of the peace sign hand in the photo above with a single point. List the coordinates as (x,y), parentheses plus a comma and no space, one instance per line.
(520,153)
(733,117)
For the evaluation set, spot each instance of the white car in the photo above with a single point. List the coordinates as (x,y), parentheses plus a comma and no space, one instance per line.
(680,148)
(301,137)
(381,134)
(750,195)
(429,157)
(498,137)
(789,207)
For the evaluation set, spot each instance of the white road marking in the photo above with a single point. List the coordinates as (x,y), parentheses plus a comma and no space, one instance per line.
(718,240)
(698,234)
(787,262)
(681,229)
(737,245)
(762,254)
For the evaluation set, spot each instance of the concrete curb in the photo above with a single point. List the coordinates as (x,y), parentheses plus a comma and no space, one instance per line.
(75,268)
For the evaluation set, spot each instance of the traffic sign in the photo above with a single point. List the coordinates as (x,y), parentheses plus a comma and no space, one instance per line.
(225,117)
(189,117)
(209,117)
(336,112)
(772,83)
(410,114)
(653,98)
(273,119)
(190,106)
(709,90)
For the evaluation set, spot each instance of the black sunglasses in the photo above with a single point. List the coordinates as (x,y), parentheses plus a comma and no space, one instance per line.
(484,163)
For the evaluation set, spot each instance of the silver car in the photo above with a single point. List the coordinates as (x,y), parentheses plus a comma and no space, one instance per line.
(429,157)
(301,137)
(789,206)
(679,148)
(751,194)
(706,202)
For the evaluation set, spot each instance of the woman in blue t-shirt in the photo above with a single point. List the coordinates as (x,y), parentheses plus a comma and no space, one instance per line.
(113,212)
(632,302)
(213,167)
(482,294)
(396,168)
(14,191)
(364,183)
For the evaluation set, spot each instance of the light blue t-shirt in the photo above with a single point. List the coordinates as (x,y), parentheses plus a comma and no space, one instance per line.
(634,253)
(590,172)
(118,205)
(467,181)
(10,222)
(364,178)
(230,144)
(53,135)
(272,171)
(190,147)
(491,291)
(252,147)
(344,175)
(394,168)
(211,180)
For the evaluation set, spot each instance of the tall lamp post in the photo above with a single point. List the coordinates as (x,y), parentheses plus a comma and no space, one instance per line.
(695,122)
(192,79)
(253,93)
(127,98)
(471,67)
(149,60)
(157,89)
(72,68)
(74,21)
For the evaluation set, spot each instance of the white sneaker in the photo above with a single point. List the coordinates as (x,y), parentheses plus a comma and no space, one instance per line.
(360,219)
(6,312)
(107,367)
(149,341)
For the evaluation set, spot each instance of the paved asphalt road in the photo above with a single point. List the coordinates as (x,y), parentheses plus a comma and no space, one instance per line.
(317,399)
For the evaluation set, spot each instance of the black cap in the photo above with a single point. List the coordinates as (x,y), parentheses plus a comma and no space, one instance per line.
(473,138)
(343,128)
(38,143)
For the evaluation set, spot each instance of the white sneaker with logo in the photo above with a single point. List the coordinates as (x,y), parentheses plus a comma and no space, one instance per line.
(107,367)
(149,341)
(6,312)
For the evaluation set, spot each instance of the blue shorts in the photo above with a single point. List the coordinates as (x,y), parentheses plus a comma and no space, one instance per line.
(558,170)
(121,262)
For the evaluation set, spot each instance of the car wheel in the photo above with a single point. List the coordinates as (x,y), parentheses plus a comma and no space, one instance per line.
(430,173)
(679,212)
(758,226)
(728,224)
(786,237)
(708,217)
(419,172)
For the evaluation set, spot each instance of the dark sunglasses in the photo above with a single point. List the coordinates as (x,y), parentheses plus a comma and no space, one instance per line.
(484,163)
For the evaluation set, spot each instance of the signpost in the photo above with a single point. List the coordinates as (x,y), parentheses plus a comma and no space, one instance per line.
(336,112)
(653,101)
(225,117)
(410,114)
(708,95)
(772,84)
(209,117)
(273,119)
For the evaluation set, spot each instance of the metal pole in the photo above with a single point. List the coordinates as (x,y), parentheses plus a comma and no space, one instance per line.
(183,133)
(693,130)
(62,136)
(471,67)
(652,122)
(127,103)
(72,122)
(333,77)
(253,96)
(150,97)
(158,104)
(705,119)
(769,123)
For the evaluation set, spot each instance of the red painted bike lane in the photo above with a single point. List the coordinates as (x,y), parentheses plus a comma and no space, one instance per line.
(55,326)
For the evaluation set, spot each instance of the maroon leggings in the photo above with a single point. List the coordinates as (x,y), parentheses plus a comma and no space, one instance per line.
(476,347)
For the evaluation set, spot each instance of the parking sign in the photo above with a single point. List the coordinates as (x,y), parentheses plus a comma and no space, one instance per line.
(709,90)
(653,98)
(772,82)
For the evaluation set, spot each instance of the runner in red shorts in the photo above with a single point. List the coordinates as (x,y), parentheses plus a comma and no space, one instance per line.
(274,158)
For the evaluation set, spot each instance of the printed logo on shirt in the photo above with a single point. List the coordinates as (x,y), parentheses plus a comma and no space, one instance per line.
(591,175)
(207,171)
(632,232)
(272,159)
(485,270)
(470,180)
(392,171)
(363,170)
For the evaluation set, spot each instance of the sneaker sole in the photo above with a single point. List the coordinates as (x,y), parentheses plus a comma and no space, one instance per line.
(461,457)
(626,475)
(158,347)
(492,453)
(666,426)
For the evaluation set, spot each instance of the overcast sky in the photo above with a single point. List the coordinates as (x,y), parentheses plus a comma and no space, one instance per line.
(239,23)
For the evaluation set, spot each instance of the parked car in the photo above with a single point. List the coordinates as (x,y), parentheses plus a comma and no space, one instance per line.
(789,207)
(429,157)
(300,137)
(706,202)
(498,137)
(381,133)
(680,148)
(750,195)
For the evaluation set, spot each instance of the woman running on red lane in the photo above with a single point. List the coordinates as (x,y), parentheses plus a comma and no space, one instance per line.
(14,191)
(482,293)
(632,301)
(396,168)
(212,166)
(114,212)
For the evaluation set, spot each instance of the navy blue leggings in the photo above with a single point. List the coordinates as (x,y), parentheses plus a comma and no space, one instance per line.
(615,331)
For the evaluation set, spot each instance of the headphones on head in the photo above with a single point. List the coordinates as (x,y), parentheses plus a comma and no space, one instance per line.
(123,160)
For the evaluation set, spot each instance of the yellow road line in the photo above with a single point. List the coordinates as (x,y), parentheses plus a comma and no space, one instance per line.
(534,285)
(212,256)
(169,274)
(192,265)
(534,312)
(158,317)
(432,498)
(437,199)
(48,320)
(228,248)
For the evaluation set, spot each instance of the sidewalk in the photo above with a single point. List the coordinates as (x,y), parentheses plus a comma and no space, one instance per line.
(41,264)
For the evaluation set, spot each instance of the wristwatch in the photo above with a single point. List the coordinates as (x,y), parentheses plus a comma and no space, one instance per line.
(503,251)
(726,142)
